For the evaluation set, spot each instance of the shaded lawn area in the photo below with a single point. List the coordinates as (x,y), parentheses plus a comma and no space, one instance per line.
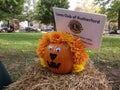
(107,60)
(17,51)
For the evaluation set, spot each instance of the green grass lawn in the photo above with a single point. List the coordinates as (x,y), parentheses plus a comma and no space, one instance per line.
(18,41)
(18,51)
(110,50)
(109,53)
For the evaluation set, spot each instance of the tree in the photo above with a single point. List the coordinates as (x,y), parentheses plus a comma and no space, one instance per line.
(85,6)
(111,8)
(114,11)
(29,10)
(103,4)
(44,9)
(10,9)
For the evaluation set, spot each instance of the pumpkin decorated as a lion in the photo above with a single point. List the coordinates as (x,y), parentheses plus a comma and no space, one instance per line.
(62,53)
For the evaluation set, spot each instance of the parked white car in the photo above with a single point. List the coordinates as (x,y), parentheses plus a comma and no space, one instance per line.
(118,31)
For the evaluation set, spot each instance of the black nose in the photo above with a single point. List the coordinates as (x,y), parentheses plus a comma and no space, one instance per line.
(52,56)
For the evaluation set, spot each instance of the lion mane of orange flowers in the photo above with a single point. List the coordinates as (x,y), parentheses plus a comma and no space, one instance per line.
(52,54)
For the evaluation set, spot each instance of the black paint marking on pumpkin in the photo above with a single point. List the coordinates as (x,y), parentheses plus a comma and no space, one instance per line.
(53,56)
(53,64)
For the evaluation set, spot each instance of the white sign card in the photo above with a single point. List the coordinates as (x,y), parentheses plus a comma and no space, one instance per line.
(88,26)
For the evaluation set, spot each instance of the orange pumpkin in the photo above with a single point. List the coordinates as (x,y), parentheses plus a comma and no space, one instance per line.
(59,58)
(62,53)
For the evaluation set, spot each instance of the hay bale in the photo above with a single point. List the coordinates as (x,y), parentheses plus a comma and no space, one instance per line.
(38,78)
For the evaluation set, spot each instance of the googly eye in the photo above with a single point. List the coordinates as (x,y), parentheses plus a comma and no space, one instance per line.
(50,48)
(58,49)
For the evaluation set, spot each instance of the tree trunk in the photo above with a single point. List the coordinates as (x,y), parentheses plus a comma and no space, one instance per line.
(28,22)
(119,19)
(54,24)
(109,26)
(8,23)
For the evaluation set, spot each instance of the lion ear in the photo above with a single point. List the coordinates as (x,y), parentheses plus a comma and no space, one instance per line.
(48,41)
(46,38)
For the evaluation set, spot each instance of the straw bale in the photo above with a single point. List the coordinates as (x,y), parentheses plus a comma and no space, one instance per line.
(38,78)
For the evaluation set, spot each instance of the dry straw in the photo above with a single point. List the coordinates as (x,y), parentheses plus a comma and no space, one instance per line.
(38,78)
